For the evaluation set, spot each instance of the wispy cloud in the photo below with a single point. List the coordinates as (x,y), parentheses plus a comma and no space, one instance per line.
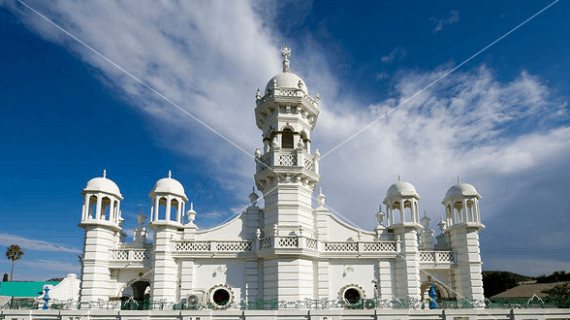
(469,125)
(396,55)
(32,244)
(452,18)
(382,76)
(54,265)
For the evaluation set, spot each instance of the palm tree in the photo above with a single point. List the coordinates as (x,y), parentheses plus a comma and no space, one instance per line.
(14,252)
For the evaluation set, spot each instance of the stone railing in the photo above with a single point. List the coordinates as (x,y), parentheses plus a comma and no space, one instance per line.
(360,246)
(286,159)
(130,255)
(223,246)
(437,256)
(289,92)
(263,162)
(283,242)
(309,162)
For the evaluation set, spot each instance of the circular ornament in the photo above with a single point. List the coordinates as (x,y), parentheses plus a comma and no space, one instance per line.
(220,297)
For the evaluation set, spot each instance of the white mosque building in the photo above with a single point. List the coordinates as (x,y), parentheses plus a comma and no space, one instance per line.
(286,251)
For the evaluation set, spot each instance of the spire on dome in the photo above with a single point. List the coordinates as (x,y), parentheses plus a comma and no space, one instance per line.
(141,217)
(286,53)
(104,173)
(321,198)
(169,174)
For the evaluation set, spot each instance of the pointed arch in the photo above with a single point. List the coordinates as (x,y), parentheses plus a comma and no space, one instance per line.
(287,138)
(92,210)
(105,208)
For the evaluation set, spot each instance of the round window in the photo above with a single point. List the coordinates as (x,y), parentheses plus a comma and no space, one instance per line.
(221,297)
(352,296)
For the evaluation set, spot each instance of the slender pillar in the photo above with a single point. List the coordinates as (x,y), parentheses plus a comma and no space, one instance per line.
(98,211)
(168,207)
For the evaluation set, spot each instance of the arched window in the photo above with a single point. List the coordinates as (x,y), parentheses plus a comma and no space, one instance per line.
(173,210)
(92,207)
(106,208)
(162,204)
(287,139)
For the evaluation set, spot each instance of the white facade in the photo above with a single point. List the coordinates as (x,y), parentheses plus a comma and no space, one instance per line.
(286,251)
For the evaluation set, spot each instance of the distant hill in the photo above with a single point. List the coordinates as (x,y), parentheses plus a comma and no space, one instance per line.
(557,276)
(495,282)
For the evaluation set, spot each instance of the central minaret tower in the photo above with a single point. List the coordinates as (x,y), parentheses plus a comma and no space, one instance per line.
(287,174)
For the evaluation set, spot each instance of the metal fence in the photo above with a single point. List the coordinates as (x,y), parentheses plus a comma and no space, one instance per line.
(291,314)
(307,304)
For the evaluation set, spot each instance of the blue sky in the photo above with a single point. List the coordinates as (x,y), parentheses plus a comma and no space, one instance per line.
(500,121)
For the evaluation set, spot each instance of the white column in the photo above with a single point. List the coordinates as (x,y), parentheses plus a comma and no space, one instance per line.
(386,275)
(112,205)
(417,211)
(152,211)
(413,211)
(168,206)
(98,210)
(156,208)
(118,215)
(402,210)
(178,210)
(186,278)
(85,212)
(465,210)
(477,212)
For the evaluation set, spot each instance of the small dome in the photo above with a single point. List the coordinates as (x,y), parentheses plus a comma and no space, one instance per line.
(286,80)
(401,188)
(461,190)
(104,185)
(169,185)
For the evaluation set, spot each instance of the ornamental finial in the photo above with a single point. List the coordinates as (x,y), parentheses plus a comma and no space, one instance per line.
(286,53)
(458,180)
(104,173)
(169,174)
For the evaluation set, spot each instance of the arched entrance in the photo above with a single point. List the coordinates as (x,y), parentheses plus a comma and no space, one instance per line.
(440,290)
(136,296)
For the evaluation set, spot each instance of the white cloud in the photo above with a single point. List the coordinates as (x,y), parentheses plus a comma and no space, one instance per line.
(468,126)
(31,244)
(210,57)
(396,54)
(382,76)
(451,19)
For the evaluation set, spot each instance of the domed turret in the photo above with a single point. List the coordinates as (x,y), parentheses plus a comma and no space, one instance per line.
(102,184)
(102,199)
(461,205)
(286,80)
(401,196)
(168,200)
(169,185)
(401,188)
(461,190)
